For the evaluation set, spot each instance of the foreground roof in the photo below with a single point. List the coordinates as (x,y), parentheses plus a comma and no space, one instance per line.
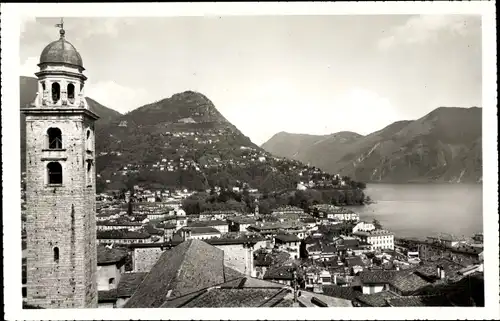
(242,292)
(189,267)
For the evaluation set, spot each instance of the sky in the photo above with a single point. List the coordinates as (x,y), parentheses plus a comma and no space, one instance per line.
(267,74)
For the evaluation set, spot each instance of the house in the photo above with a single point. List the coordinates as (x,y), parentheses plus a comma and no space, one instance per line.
(239,223)
(375,281)
(219,225)
(205,281)
(288,210)
(363,226)
(239,252)
(355,264)
(280,274)
(199,233)
(217,215)
(378,239)
(118,225)
(287,242)
(122,237)
(334,213)
(110,266)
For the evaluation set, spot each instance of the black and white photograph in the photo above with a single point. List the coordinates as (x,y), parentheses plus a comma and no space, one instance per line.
(264,156)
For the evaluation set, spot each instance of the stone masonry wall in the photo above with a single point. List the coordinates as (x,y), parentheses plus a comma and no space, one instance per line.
(145,258)
(59,216)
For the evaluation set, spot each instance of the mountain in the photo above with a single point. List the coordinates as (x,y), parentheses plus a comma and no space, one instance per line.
(184,141)
(442,146)
(28,89)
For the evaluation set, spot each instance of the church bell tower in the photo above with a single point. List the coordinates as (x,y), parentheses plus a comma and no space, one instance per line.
(60,184)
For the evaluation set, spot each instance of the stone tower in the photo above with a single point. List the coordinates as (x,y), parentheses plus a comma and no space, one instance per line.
(60,184)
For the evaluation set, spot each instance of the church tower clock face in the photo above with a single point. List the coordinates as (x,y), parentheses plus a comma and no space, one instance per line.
(60,184)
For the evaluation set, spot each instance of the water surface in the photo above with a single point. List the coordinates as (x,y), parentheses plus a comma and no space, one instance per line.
(420,210)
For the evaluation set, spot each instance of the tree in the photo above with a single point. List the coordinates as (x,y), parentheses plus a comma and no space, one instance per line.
(377,224)
(303,251)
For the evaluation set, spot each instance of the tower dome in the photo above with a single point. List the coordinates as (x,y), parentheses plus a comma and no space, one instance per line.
(61,52)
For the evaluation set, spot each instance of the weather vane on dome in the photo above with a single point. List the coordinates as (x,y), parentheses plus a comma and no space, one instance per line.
(61,25)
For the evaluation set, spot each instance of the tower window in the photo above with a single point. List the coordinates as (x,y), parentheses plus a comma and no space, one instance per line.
(56,254)
(71,93)
(55,173)
(111,281)
(43,85)
(55,138)
(56,92)
(89,172)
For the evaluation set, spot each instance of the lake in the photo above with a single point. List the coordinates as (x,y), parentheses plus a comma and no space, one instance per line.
(420,210)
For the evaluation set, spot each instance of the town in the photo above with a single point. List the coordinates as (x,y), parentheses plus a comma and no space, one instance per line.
(225,243)
(326,253)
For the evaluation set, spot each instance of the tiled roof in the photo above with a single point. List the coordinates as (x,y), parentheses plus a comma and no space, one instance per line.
(377,299)
(342,292)
(121,234)
(231,274)
(242,292)
(248,282)
(114,255)
(354,261)
(232,298)
(239,240)
(373,233)
(201,230)
(408,283)
(279,273)
(376,277)
(129,283)
(118,223)
(287,238)
(429,270)
(191,266)
(419,301)
(206,223)
(310,299)
(106,296)
(242,220)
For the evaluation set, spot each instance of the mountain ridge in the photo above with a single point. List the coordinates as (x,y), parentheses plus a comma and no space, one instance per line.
(442,146)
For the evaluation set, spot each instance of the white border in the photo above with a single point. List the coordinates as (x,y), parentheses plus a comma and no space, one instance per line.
(11,168)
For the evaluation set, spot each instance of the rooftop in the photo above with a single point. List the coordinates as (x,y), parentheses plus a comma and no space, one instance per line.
(189,267)
(201,230)
(285,238)
(206,223)
(241,292)
(122,234)
(129,282)
(106,255)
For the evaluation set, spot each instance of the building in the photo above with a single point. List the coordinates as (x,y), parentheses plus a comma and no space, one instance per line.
(202,266)
(336,213)
(123,237)
(378,239)
(110,266)
(60,184)
(239,224)
(118,225)
(287,242)
(199,233)
(363,226)
(219,225)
